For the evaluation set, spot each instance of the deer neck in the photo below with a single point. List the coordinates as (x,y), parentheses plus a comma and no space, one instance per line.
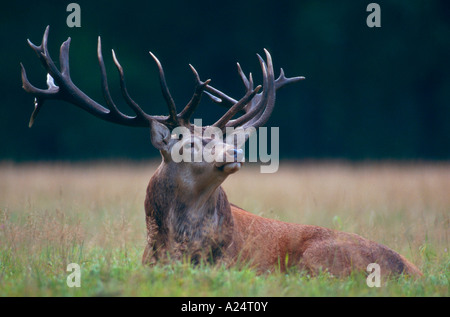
(185,213)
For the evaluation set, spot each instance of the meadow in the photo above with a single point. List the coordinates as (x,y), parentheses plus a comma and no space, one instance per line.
(53,214)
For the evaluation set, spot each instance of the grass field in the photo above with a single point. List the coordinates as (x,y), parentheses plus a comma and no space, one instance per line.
(92,214)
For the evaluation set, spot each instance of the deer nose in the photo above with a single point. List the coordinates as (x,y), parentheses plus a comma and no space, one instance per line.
(237,154)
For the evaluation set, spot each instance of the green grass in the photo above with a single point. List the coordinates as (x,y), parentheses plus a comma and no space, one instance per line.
(119,273)
(53,215)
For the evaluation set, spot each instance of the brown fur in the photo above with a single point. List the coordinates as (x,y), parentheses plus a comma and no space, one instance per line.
(268,243)
(218,231)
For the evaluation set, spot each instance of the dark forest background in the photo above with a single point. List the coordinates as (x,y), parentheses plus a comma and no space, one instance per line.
(369,93)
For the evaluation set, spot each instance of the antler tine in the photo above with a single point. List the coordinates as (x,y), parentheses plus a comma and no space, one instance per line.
(257,105)
(246,82)
(267,101)
(165,91)
(219,97)
(42,52)
(238,106)
(39,93)
(187,112)
(222,99)
(282,80)
(104,82)
(64,59)
(131,103)
(248,86)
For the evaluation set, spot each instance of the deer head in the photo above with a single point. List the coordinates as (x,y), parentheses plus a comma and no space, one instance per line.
(254,110)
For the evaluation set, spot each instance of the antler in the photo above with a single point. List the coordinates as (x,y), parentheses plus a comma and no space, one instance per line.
(61,87)
(258,110)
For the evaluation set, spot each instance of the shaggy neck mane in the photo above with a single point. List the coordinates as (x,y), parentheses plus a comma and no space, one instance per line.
(180,223)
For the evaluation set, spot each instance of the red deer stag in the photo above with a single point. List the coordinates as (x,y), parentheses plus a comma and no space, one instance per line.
(187,211)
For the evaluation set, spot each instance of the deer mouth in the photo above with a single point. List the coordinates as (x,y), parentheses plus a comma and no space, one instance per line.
(228,167)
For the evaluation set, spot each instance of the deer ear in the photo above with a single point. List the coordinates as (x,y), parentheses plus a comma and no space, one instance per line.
(160,135)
